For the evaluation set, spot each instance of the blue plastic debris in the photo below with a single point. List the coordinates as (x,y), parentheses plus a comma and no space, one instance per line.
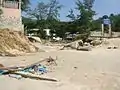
(42,69)
(37,68)
(1,72)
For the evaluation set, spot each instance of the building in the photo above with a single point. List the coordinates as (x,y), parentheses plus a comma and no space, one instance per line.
(11,16)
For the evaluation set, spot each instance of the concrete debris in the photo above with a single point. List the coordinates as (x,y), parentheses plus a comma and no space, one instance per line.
(92,43)
(78,45)
(96,42)
(73,45)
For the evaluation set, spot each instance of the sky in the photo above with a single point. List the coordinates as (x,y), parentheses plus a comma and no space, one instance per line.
(102,7)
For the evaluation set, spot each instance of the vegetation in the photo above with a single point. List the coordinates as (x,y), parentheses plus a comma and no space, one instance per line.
(83,21)
(46,15)
(25,4)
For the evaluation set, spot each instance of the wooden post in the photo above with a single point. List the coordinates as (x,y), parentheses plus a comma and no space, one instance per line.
(103,30)
(20,4)
(110,31)
(1,3)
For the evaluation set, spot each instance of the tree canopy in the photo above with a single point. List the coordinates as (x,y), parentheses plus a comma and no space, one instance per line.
(25,4)
(46,15)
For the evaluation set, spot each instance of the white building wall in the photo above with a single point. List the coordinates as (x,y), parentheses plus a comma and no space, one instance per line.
(11,18)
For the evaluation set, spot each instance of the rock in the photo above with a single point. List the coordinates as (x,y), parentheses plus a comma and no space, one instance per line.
(73,45)
(96,42)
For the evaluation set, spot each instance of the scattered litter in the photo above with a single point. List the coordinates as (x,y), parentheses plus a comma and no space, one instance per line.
(1,72)
(42,69)
(32,71)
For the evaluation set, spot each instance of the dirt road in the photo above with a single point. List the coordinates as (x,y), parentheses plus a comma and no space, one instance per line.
(98,69)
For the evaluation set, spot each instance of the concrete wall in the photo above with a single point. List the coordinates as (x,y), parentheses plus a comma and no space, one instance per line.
(98,34)
(11,18)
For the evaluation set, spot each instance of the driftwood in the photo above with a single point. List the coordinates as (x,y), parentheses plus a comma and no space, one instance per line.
(14,70)
(34,77)
(31,65)
(10,68)
(49,60)
(84,48)
(73,45)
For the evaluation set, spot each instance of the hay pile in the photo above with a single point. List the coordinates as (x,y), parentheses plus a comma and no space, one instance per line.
(13,43)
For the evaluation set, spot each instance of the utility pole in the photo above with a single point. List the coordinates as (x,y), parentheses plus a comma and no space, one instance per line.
(1,2)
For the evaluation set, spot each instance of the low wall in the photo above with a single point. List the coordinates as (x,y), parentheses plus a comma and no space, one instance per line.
(99,34)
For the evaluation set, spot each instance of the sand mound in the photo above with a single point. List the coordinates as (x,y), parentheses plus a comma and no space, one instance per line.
(113,42)
(14,43)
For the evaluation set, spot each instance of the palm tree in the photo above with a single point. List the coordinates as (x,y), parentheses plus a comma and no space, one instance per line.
(25,4)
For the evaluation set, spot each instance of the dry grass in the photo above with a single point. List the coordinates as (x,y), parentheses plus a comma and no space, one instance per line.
(14,43)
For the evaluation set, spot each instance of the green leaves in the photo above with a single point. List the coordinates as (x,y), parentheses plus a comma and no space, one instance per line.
(71,15)
(24,4)
(84,19)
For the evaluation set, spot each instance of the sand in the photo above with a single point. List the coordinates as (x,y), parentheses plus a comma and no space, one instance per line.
(98,69)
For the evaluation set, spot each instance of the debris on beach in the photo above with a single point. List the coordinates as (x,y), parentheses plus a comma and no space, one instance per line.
(90,43)
(77,45)
(32,71)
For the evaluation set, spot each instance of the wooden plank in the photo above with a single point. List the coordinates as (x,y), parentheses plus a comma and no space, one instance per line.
(28,66)
(34,77)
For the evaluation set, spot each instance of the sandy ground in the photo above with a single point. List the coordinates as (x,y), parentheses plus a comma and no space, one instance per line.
(98,69)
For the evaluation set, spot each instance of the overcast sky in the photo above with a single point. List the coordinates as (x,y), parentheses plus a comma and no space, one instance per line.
(102,7)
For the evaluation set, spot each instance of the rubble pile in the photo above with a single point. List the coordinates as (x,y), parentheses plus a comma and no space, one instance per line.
(13,43)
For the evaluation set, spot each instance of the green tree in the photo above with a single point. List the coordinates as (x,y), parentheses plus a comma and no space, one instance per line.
(86,14)
(83,21)
(53,10)
(71,15)
(24,4)
(45,14)
(115,21)
(53,14)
